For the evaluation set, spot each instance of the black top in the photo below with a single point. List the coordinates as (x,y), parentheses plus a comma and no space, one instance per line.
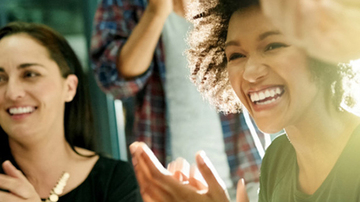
(109,181)
(279,175)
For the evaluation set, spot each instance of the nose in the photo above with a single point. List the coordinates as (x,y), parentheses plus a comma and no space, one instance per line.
(255,69)
(14,90)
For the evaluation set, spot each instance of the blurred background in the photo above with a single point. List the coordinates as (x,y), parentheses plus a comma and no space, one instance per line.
(73,19)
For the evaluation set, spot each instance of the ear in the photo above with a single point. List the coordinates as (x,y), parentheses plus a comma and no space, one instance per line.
(71,83)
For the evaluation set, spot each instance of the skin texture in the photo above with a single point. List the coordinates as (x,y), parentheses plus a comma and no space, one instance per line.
(29,78)
(145,36)
(255,65)
(35,86)
(317,130)
(326,29)
(158,184)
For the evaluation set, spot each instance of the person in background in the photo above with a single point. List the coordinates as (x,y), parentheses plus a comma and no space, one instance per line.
(243,56)
(328,29)
(137,52)
(46,134)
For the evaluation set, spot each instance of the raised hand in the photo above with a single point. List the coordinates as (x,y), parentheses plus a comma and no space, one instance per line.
(161,7)
(327,29)
(158,184)
(20,189)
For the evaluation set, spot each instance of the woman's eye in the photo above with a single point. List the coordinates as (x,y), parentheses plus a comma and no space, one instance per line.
(273,46)
(3,78)
(30,74)
(235,56)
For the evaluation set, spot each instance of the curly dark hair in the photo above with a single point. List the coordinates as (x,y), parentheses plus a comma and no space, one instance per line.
(207,59)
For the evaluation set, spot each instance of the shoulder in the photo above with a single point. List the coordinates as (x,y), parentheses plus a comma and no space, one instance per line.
(278,160)
(109,166)
(118,179)
(277,153)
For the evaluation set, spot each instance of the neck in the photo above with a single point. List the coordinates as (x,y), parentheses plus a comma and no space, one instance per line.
(318,142)
(323,133)
(43,162)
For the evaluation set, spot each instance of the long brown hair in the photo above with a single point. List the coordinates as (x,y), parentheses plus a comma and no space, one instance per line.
(78,119)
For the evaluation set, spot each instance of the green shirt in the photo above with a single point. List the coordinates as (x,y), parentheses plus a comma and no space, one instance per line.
(279,175)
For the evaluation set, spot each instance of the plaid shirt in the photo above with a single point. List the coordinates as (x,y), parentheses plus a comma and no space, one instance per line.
(113,23)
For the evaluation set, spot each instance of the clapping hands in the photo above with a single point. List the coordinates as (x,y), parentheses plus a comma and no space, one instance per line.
(180,185)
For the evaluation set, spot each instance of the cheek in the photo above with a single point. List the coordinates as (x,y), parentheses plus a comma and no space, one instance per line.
(235,78)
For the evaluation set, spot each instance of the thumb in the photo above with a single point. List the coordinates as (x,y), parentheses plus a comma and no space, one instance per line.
(241,194)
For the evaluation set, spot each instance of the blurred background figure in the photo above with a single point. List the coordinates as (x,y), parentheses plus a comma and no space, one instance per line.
(137,51)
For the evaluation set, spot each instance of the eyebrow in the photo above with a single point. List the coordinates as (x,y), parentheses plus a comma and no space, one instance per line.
(24,66)
(232,43)
(261,37)
(269,33)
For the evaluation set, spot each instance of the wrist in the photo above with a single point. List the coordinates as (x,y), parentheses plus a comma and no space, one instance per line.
(157,11)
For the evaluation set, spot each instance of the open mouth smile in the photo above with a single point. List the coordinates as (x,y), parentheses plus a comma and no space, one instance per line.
(266,96)
(20,110)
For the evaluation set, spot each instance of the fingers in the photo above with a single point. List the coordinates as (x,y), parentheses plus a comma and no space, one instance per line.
(10,170)
(150,176)
(212,178)
(7,197)
(180,169)
(15,182)
(241,194)
(196,179)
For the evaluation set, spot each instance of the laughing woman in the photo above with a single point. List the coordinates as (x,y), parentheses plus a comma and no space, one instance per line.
(240,59)
(46,125)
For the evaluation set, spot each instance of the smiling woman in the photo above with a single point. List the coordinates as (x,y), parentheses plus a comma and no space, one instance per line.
(238,60)
(46,124)
(253,65)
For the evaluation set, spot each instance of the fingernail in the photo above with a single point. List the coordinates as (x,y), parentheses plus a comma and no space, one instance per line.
(133,147)
(202,159)
(242,182)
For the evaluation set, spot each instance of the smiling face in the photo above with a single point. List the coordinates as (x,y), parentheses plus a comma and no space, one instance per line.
(269,75)
(32,91)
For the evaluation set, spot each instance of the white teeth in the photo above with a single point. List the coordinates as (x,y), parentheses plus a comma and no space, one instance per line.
(21,110)
(255,97)
(272,92)
(261,95)
(267,102)
(277,91)
(268,93)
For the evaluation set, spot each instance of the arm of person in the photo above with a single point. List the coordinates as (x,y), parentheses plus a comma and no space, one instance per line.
(136,55)
(123,46)
(157,184)
(327,29)
(18,187)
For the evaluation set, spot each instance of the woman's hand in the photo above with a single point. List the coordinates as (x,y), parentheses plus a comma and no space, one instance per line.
(20,189)
(327,29)
(183,172)
(158,184)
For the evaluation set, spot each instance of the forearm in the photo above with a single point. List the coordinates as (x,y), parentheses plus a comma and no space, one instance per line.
(137,53)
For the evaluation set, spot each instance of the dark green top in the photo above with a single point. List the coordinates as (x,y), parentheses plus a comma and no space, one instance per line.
(279,175)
